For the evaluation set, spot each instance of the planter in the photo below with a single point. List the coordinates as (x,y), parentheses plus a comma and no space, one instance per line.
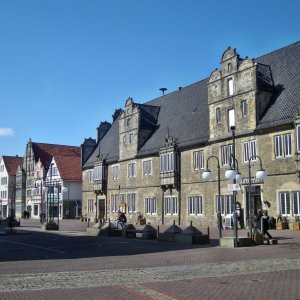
(141,221)
(296,226)
(281,226)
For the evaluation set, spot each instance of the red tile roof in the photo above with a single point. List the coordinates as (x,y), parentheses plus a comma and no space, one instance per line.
(68,159)
(69,167)
(12,163)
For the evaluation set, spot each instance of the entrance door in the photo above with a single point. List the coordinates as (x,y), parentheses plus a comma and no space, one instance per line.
(254,198)
(101,209)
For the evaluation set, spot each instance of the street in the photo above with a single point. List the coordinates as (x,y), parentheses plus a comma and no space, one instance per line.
(69,264)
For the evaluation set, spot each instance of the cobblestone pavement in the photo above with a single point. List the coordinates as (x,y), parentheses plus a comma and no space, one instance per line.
(71,265)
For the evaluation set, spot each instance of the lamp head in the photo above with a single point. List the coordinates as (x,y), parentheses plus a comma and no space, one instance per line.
(230,174)
(206,175)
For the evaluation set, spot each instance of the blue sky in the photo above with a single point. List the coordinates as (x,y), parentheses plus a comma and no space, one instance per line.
(65,65)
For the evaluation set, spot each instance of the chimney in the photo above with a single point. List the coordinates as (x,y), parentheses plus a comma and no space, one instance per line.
(102,130)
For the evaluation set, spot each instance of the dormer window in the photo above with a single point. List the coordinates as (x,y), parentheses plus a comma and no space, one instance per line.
(230,86)
(229,67)
(128,122)
(231,119)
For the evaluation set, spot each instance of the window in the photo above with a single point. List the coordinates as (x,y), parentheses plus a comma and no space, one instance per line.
(150,206)
(90,176)
(131,138)
(218,115)
(114,202)
(283,145)
(298,137)
(3,194)
(167,162)
(278,146)
(131,203)
(198,160)
(128,122)
(244,107)
(230,86)
(226,154)
(115,172)
(125,139)
(249,151)
(170,205)
(229,204)
(147,167)
(1,168)
(131,170)
(195,205)
(3,180)
(28,192)
(99,173)
(296,203)
(284,205)
(231,119)
(220,205)
(90,205)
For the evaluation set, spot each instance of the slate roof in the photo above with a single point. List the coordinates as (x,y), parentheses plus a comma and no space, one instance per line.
(185,115)
(12,163)
(285,67)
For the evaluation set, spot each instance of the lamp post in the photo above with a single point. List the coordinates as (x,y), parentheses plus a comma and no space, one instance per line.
(206,175)
(260,175)
(233,174)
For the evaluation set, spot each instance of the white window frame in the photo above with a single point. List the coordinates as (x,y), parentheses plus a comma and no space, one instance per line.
(231,118)
(230,86)
(298,137)
(147,167)
(220,205)
(244,106)
(195,205)
(198,160)
(150,206)
(168,162)
(131,168)
(249,150)
(90,205)
(170,205)
(115,172)
(284,203)
(131,202)
(296,203)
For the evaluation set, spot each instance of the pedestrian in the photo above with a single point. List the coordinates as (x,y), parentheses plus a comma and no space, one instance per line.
(121,218)
(265,224)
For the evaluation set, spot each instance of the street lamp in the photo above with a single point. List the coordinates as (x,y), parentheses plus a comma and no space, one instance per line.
(206,175)
(260,175)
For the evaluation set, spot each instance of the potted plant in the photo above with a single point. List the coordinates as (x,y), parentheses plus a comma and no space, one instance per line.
(281,222)
(296,223)
(140,219)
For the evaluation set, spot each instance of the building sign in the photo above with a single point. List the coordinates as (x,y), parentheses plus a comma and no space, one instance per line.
(245,181)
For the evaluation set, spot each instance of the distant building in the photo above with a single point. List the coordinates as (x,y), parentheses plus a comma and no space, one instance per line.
(8,170)
(47,167)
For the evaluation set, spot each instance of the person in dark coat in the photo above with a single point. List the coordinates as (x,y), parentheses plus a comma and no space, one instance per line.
(265,224)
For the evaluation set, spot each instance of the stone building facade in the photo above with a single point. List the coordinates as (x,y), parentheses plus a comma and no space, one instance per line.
(150,160)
